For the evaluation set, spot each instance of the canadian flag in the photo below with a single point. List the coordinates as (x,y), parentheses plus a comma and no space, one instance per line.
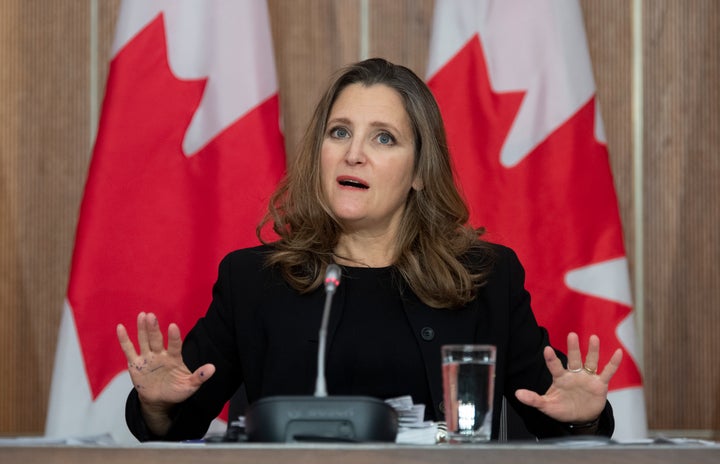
(514,82)
(187,154)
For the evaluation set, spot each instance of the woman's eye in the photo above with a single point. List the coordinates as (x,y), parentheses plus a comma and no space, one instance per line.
(339,133)
(385,139)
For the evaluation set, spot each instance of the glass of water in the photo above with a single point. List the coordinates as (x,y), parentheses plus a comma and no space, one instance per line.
(468,388)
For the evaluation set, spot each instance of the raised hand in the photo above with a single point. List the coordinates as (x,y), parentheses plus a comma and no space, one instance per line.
(160,376)
(578,393)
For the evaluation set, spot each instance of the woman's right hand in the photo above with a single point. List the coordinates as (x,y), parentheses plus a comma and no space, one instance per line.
(160,376)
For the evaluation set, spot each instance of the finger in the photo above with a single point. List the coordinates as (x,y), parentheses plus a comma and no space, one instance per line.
(203,373)
(155,336)
(612,366)
(573,354)
(529,397)
(125,343)
(593,355)
(553,363)
(174,340)
(142,333)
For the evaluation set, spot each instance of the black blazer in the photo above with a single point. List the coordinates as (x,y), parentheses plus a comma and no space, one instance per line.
(260,332)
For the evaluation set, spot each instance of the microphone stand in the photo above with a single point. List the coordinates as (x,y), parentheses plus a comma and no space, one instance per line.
(332,280)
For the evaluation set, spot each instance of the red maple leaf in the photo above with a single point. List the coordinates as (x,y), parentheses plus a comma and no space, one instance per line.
(154,222)
(557,207)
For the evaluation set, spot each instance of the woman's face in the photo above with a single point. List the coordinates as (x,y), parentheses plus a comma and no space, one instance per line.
(367,158)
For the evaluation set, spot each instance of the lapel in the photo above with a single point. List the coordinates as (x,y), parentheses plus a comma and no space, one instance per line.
(432,329)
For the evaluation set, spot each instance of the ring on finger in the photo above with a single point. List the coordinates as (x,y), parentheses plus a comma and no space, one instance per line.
(575,371)
(589,371)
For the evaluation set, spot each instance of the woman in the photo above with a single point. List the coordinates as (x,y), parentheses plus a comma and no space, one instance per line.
(371,190)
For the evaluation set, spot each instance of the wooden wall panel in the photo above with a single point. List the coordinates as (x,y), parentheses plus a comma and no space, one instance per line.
(45,78)
(10,298)
(682,216)
(107,12)
(400,32)
(609,32)
(45,142)
(312,39)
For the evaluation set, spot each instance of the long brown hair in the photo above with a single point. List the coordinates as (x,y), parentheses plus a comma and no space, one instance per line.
(434,233)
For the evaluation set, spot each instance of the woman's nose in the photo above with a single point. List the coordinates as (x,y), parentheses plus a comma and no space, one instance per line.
(355,153)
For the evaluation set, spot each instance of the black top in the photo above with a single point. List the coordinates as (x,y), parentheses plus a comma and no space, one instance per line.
(374,351)
(260,332)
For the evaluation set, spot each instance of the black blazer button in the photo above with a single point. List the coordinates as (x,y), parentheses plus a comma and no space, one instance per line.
(427,333)
(441,407)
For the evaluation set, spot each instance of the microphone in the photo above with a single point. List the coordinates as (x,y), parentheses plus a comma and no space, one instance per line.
(332,280)
(321,418)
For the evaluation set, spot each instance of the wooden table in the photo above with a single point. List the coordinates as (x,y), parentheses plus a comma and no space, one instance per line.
(355,454)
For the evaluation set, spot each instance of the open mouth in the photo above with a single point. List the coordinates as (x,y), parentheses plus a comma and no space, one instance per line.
(353,183)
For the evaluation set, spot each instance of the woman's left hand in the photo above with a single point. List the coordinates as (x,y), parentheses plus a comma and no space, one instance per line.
(578,393)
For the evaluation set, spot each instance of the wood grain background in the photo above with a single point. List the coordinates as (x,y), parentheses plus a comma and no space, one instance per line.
(54,56)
